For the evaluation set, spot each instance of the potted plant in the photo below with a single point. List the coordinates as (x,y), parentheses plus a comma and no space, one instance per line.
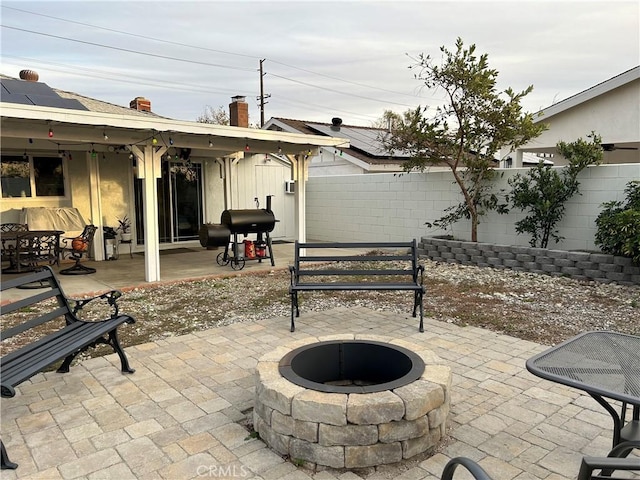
(124,226)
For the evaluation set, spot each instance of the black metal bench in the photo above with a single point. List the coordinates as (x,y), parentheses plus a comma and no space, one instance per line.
(62,335)
(383,267)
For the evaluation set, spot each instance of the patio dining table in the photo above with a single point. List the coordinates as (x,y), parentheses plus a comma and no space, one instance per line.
(604,364)
(25,250)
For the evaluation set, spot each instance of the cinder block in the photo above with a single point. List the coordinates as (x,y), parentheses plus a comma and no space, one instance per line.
(563,262)
(610,267)
(601,258)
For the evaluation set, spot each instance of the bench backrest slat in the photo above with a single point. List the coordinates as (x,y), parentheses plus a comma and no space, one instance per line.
(374,245)
(38,276)
(353,272)
(35,319)
(355,258)
(303,267)
(32,300)
(33,322)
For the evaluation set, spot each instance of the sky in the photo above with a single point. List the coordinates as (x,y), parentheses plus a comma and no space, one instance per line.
(321,59)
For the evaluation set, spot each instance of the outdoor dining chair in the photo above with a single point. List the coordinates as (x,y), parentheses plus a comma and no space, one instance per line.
(78,247)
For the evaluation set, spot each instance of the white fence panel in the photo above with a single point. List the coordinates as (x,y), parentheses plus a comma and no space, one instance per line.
(388,207)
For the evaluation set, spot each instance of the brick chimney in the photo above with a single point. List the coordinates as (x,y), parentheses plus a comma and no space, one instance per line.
(141,104)
(238,112)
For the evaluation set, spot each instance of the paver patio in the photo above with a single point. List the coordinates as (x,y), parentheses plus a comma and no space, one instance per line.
(182,414)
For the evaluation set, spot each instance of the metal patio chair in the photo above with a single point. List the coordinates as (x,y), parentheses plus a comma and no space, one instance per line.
(78,247)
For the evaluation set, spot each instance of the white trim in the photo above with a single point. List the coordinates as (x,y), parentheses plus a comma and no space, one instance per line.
(586,95)
(161,125)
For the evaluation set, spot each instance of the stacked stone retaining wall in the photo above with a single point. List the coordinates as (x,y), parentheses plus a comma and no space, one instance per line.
(579,265)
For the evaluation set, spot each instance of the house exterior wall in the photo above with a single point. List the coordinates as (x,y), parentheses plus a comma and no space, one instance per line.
(213,186)
(116,189)
(329,163)
(614,116)
(387,207)
(257,176)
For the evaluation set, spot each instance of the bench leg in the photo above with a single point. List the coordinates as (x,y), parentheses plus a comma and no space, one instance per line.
(419,302)
(115,343)
(5,463)
(64,368)
(294,309)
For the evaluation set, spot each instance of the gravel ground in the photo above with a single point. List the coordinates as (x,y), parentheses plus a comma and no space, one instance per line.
(540,308)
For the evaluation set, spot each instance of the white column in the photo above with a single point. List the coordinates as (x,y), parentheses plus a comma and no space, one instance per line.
(517,159)
(95,205)
(150,169)
(300,166)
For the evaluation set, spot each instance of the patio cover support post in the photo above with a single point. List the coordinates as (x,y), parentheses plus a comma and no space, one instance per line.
(300,166)
(95,204)
(151,170)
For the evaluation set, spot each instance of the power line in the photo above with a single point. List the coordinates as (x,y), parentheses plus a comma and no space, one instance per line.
(121,32)
(343,80)
(95,73)
(120,49)
(338,91)
(215,50)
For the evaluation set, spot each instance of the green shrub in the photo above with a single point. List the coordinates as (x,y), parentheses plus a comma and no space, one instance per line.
(619,225)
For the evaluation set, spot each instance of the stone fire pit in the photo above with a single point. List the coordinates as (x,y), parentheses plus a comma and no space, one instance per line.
(351,401)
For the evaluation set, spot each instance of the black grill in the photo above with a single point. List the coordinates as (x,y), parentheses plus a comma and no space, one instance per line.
(248,221)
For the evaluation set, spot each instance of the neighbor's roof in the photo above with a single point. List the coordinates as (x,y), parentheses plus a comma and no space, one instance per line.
(365,143)
(589,94)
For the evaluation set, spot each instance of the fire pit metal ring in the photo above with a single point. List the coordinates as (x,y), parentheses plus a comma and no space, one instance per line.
(356,366)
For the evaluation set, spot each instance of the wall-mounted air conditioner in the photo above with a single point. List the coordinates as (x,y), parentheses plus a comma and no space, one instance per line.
(290,186)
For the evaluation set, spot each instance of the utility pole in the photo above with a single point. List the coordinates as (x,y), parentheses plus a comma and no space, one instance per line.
(262,96)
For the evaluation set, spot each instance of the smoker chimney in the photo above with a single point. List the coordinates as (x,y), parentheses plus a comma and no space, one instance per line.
(238,112)
(335,123)
(29,75)
(141,104)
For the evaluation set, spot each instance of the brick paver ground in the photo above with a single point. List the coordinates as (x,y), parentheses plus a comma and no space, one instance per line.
(182,414)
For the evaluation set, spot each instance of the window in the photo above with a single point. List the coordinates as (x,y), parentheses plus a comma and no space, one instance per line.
(26,176)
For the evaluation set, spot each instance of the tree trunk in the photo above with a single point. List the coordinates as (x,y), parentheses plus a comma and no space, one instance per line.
(474,226)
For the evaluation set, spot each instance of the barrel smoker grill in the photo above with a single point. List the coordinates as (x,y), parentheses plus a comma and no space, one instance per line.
(241,222)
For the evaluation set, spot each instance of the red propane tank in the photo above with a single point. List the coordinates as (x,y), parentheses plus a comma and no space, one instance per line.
(249,249)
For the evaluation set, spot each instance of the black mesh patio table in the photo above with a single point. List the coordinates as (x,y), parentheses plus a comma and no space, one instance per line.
(605,365)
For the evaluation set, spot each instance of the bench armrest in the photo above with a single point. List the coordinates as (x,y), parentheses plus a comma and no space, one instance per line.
(292,272)
(111,297)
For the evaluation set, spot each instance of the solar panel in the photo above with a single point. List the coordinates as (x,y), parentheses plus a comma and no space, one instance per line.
(57,102)
(366,140)
(27,88)
(35,93)
(15,98)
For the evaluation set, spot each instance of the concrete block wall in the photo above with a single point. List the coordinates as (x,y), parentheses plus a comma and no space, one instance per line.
(395,207)
(575,264)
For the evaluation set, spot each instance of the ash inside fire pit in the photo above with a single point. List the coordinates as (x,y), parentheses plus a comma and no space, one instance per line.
(351,366)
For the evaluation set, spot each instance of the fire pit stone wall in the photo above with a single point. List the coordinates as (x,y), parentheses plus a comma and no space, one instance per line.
(353,430)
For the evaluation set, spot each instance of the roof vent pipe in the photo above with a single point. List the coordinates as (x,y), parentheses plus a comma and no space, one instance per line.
(335,123)
(29,75)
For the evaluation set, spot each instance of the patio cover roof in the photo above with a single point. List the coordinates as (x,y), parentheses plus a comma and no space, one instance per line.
(24,121)
(101,130)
